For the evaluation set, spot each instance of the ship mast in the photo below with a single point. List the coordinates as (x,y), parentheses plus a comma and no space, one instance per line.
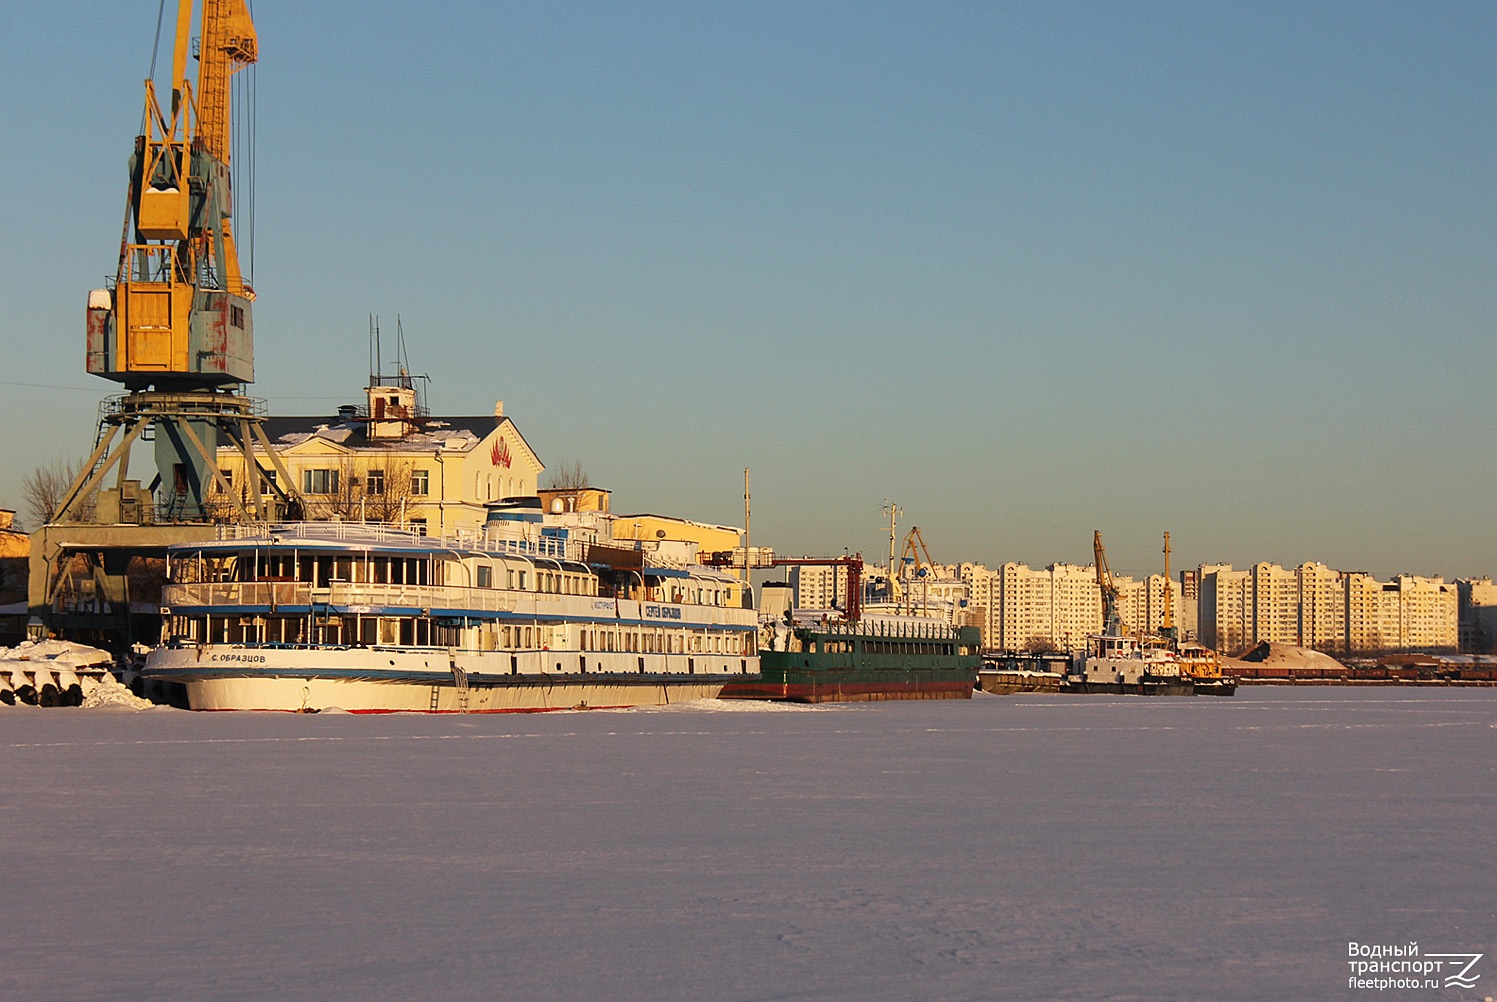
(893,511)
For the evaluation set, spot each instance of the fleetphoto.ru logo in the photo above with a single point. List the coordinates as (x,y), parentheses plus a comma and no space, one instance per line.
(1401,966)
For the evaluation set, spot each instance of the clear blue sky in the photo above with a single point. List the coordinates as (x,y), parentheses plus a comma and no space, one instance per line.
(1030,270)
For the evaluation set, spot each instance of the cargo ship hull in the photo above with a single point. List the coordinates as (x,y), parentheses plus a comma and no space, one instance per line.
(865,661)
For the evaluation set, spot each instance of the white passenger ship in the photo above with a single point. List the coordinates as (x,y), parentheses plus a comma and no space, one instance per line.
(368,618)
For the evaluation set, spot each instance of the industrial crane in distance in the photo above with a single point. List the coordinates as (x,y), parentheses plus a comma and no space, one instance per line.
(1112,622)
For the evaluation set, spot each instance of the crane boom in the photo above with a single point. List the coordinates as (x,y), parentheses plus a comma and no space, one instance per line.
(911,566)
(229,34)
(1168,626)
(1111,621)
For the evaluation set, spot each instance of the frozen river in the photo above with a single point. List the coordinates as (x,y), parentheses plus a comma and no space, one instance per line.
(1031,847)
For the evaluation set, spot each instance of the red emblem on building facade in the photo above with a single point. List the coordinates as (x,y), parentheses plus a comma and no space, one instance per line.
(500,453)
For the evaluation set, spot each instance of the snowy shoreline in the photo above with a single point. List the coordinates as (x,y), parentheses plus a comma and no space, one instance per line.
(1032,847)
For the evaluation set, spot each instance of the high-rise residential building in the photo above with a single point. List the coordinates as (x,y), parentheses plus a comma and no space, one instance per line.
(1275,601)
(1022,608)
(1322,607)
(1428,612)
(1476,603)
(819,587)
(1315,606)
(1188,620)
(1144,603)
(1225,608)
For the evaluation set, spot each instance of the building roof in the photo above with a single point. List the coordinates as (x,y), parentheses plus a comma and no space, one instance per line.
(351,432)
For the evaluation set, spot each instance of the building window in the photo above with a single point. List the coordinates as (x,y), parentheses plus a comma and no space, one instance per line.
(420,482)
(374,482)
(319,481)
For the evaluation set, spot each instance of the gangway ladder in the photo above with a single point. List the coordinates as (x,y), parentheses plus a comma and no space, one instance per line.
(459,682)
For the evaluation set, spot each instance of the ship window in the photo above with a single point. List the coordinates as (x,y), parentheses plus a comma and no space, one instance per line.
(485,577)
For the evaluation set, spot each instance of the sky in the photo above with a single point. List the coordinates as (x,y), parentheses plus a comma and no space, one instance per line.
(999,848)
(1027,270)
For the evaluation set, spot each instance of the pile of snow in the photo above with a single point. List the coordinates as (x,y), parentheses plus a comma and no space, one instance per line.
(110,694)
(62,673)
(50,673)
(56,653)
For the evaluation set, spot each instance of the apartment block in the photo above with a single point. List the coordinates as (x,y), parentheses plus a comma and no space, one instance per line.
(819,587)
(1476,604)
(1315,606)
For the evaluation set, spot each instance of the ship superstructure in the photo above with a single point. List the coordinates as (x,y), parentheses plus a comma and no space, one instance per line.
(527,615)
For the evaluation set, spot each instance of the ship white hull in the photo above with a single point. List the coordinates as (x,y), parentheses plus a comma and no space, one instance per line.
(375,680)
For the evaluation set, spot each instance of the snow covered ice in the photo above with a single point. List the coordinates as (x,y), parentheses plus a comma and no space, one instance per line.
(1027,847)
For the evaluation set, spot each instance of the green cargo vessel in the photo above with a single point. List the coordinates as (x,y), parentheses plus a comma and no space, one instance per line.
(871,658)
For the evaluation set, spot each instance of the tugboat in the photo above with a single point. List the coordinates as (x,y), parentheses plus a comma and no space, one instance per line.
(1146,664)
(1201,665)
(1120,664)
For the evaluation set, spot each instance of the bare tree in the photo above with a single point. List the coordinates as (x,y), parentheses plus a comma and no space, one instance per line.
(367,490)
(569,476)
(44,489)
(1041,644)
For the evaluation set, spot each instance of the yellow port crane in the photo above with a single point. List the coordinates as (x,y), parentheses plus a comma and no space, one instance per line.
(178,315)
(1111,621)
(174,326)
(909,558)
(914,546)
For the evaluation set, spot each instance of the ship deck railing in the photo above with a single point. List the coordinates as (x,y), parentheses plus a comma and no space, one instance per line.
(400,533)
(903,630)
(296,594)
